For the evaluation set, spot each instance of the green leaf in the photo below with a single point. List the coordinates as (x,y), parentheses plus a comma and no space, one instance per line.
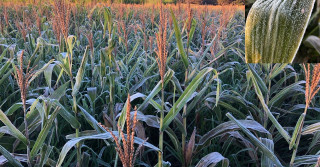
(61,91)
(14,131)
(258,79)
(4,67)
(156,89)
(71,40)
(38,72)
(5,76)
(48,74)
(278,68)
(311,129)
(265,161)
(102,136)
(179,41)
(139,84)
(43,134)
(213,159)
(175,141)
(228,127)
(13,161)
(80,73)
(274,30)
(93,122)
(200,95)
(67,116)
(297,130)
(107,21)
(306,160)
(314,41)
(232,109)
(183,99)
(192,30)
(284,93)
(133,52)
(266,151)
(13,108)
(281,130)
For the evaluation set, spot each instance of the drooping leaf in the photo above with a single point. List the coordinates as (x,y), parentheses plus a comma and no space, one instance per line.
(179,41)
(306,160)
(281,130)
(297,130)
(43,134)
(102,136)
(184,98)
(314,41)
(8,156)
(80,73)
(213,159)
(13,130)
(266,151)
(38,72)
(311,129)
(265,161)
(230,126)
(67,115)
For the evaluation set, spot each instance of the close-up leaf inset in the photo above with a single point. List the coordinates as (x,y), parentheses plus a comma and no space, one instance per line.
(275,30)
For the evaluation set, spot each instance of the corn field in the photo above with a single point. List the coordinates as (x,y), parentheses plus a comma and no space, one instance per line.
(100,84)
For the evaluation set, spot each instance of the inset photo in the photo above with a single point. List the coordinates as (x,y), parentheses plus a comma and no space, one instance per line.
(282,31)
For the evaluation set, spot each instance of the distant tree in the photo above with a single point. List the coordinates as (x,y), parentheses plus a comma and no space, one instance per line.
(196,1)
(234,2)
(239,2)
(224,2)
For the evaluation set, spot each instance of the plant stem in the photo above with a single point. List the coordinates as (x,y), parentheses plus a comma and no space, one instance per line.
(160,156)
(112,101)
(77,129)
(184,116)
(92,67)
(77,132)
(294,153)
(27,134)
(75,110)
(295,150)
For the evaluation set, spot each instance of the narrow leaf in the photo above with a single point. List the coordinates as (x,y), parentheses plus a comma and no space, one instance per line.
(297,130)
(179,41)
(80,73)
(185,96)
(212,159)
(13,161)
(256,141)
(14,131)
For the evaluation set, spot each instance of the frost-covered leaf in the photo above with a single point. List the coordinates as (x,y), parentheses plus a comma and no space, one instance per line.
(314,41)
(275,28)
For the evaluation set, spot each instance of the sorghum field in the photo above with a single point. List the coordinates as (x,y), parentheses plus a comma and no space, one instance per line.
(147,85)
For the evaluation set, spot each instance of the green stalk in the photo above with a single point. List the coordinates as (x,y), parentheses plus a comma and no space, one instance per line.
(160,156)
(184,116)
(77,129)
(295,149)
(111,102)
(116,161)
(27,134)
(74,108)
(92,67)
